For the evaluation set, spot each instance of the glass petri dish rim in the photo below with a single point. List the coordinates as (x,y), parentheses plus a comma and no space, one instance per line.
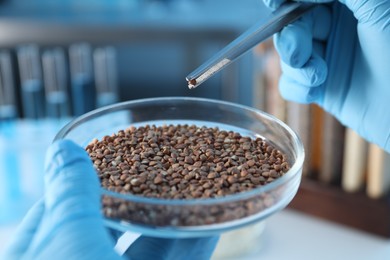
(294,170)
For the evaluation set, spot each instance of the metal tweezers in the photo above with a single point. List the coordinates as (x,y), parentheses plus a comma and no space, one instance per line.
(263,29)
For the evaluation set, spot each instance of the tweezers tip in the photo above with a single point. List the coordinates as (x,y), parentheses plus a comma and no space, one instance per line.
(191,83)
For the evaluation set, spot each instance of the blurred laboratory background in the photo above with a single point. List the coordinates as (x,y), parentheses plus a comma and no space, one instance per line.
(60,59)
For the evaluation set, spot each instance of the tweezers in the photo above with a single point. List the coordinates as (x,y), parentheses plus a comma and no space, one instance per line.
(263,29)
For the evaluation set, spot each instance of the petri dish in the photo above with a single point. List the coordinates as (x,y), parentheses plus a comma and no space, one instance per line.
(185,218)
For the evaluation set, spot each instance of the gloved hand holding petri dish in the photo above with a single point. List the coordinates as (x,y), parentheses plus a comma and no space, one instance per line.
(166,168)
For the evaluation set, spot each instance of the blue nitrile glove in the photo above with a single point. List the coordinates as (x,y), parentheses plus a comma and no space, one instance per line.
(68,224)
(338,56)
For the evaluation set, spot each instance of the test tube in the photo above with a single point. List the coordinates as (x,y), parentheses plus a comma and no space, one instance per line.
(8,106)
(55,82)
(83,91)
(106,80)
(31,82)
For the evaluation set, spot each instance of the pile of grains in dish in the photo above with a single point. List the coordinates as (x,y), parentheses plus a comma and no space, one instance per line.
(182,162)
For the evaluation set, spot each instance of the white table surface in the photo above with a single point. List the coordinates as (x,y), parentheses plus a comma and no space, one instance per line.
(293,235)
